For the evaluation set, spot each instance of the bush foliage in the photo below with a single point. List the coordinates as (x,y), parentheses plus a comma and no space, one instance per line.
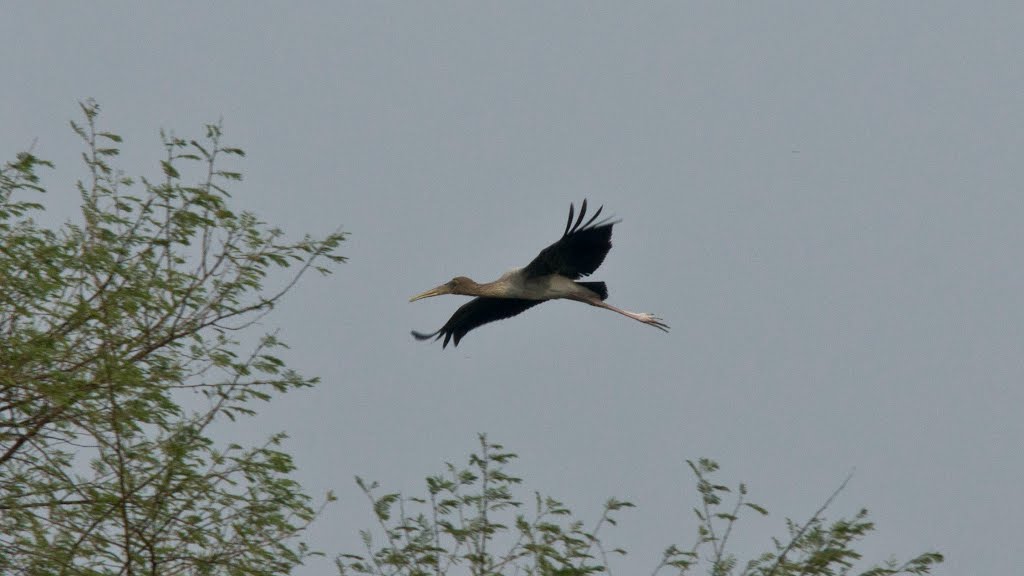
(469,522)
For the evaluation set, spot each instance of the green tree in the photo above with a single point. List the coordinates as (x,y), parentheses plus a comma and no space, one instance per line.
(470,522)
(119,347)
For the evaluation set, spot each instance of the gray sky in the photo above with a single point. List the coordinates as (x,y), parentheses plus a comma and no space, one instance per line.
(823,200)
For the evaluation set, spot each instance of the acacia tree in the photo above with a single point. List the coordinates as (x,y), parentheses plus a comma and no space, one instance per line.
(471,522)
(109,328)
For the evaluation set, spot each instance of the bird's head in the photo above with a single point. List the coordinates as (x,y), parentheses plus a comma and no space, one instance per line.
(457,285)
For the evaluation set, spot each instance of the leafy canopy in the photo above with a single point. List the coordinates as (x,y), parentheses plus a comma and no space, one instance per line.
(109,327)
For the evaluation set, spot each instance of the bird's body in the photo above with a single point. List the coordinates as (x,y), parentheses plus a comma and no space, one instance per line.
(552,275)
(517,284)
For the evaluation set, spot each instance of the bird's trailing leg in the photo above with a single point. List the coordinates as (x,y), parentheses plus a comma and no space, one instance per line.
(649,319)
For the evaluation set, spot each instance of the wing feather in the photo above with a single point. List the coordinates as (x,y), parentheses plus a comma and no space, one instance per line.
(580,250)
(476,313)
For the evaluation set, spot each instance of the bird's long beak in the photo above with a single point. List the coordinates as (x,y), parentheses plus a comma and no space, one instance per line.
(442,289)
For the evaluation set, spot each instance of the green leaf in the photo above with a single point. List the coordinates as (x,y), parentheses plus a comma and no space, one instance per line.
(169,170)
(757,508)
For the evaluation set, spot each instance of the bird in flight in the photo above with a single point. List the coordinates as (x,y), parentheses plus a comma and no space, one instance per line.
(553,274)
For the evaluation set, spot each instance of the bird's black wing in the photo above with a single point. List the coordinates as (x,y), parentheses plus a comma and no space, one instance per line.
(476,313)
(579,251)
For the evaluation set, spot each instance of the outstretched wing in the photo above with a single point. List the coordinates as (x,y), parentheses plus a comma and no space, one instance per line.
(579,251)
(476,313)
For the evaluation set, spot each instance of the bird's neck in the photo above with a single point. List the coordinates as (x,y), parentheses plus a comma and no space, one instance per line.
(492,289)
(496,289)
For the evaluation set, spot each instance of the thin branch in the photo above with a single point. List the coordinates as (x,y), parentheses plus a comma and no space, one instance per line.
(810,521)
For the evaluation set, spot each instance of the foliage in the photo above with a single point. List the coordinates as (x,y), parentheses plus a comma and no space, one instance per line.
(471,522)
(109,328)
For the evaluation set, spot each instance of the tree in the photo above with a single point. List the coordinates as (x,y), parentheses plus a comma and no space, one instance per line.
(119,347)
(470,521)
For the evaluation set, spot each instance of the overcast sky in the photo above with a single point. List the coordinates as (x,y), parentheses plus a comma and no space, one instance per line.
(823,200)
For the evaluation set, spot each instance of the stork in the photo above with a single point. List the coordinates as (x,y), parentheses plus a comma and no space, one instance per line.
(553,274)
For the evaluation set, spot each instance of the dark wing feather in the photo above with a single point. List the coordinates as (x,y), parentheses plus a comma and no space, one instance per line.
(579,251)
(476,313)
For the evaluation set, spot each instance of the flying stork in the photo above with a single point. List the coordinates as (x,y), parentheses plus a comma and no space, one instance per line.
(553,274)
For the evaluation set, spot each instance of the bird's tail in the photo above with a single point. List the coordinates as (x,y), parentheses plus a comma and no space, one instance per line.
(597,287)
